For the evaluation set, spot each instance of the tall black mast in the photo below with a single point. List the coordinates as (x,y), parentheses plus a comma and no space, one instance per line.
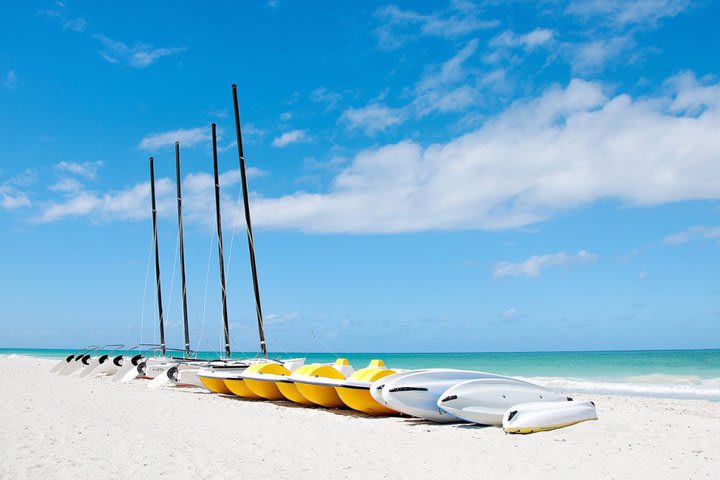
(157,259)
(251,247)
(226,331)
(182,249)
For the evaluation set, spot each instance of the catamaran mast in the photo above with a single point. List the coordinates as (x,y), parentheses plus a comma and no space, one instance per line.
(226,331)
(182,249)
(157,258)
(251,247)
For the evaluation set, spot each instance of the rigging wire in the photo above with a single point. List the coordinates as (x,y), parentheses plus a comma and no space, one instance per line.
(232,237)
(147,274)
(172,284)
(207,281)
(323,344)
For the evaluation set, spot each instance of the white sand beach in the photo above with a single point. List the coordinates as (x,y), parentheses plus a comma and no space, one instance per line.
(66,427)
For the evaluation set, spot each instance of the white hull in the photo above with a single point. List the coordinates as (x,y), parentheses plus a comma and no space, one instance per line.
(188,377)
(538,417)
(378,386)
(62,364)
(417,394)
(178,374)
(75,365)
(485,401)
(126,365)
(107,368)
(92,364)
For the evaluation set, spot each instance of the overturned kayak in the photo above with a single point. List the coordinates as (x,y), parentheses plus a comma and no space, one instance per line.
(417,394)
(377,387)
(539,417)
(484,401)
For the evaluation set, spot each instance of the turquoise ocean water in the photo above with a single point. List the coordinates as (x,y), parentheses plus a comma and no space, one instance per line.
(659,373)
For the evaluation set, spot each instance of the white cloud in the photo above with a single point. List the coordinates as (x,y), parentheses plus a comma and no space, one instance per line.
(87,170)
(12,190)
(59,13)
(528,41)
(328,97)
(697,232)
(398,25)
(510,313)
(564,149)
(372,118)
(447,87)
(533,265)
(133,203)
(444,88)
(187,137)
(593,55)
(333,163)
(10,80)
(567,148)
(138,56)
(278,318)
(250,130)
(12,198)
(624,13)
(288,138)
(66,184)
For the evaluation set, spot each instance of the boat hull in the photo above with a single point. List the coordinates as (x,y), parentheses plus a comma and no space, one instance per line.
(417,394)
(540,417)
(485,401)
(215,385)
(290,392)
(323,395)
(237,386)
(355,392)
(266,389)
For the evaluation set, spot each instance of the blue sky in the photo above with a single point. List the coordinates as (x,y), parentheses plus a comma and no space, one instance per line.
(424,176)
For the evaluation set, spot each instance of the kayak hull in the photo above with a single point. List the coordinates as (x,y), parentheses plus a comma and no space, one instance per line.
(485,401)
(540,417)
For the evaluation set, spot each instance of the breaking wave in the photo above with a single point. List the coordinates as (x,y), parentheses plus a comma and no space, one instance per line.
(653,385)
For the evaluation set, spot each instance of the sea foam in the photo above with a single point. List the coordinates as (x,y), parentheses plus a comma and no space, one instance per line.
(654,385)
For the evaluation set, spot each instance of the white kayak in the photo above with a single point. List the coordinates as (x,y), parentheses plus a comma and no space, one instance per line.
(539,417)
(377,387)
(484,401)
(417,394)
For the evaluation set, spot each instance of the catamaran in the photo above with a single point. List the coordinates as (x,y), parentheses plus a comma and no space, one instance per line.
(225,378)
(66,362)
(186,373)
(146,366)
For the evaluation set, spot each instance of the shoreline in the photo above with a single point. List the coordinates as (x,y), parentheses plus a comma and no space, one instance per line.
(57,427)
(666,381)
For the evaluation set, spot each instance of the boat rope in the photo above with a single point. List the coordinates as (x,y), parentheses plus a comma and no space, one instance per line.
(147,274)
(232,237)
(275,342)
(170,310)
(207,282)
(323,344)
